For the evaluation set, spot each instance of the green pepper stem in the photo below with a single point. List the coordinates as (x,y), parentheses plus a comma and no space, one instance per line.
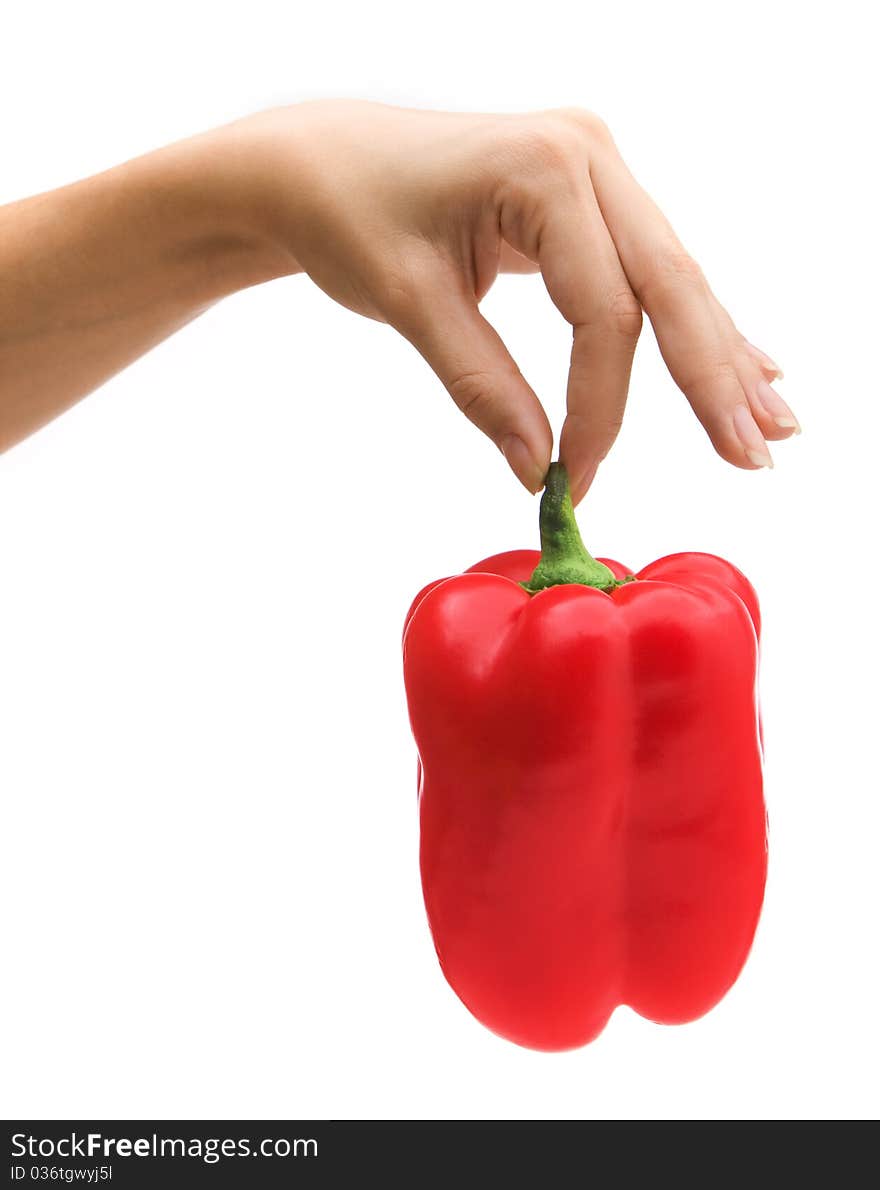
(564,557)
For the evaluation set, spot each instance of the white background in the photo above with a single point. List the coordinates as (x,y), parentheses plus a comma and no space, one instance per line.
(210,890)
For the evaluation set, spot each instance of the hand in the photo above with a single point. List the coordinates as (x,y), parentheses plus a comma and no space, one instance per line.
(408,217)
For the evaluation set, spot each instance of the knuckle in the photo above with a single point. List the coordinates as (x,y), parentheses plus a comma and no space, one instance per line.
(677,268)
(601,429)
(708,376)
(624,315)
(552,146)
(396,303)
(605,431)
(473,394)
(585,122)
(402,294)
(671,273)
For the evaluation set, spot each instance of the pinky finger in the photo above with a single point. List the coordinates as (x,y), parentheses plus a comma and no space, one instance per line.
(772,415)
(767,365)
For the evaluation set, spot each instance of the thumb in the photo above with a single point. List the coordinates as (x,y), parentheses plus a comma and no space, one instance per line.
(471,360)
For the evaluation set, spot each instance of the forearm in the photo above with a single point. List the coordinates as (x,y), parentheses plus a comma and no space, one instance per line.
(97,273)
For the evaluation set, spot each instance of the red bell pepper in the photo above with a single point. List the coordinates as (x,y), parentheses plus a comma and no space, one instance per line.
(593,830)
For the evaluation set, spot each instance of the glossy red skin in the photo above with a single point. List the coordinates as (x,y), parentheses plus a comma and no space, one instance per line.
(593,830)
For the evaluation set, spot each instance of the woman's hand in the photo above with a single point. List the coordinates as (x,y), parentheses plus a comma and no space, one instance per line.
(408,217)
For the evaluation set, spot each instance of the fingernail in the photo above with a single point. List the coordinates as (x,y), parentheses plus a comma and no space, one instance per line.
(522,464)
(750,436)
(765,359)
(776,407)
(760,458)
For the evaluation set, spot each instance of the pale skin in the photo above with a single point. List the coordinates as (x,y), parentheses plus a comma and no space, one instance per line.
(406,217)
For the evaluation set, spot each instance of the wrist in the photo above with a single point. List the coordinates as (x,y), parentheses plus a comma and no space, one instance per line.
(212,194)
